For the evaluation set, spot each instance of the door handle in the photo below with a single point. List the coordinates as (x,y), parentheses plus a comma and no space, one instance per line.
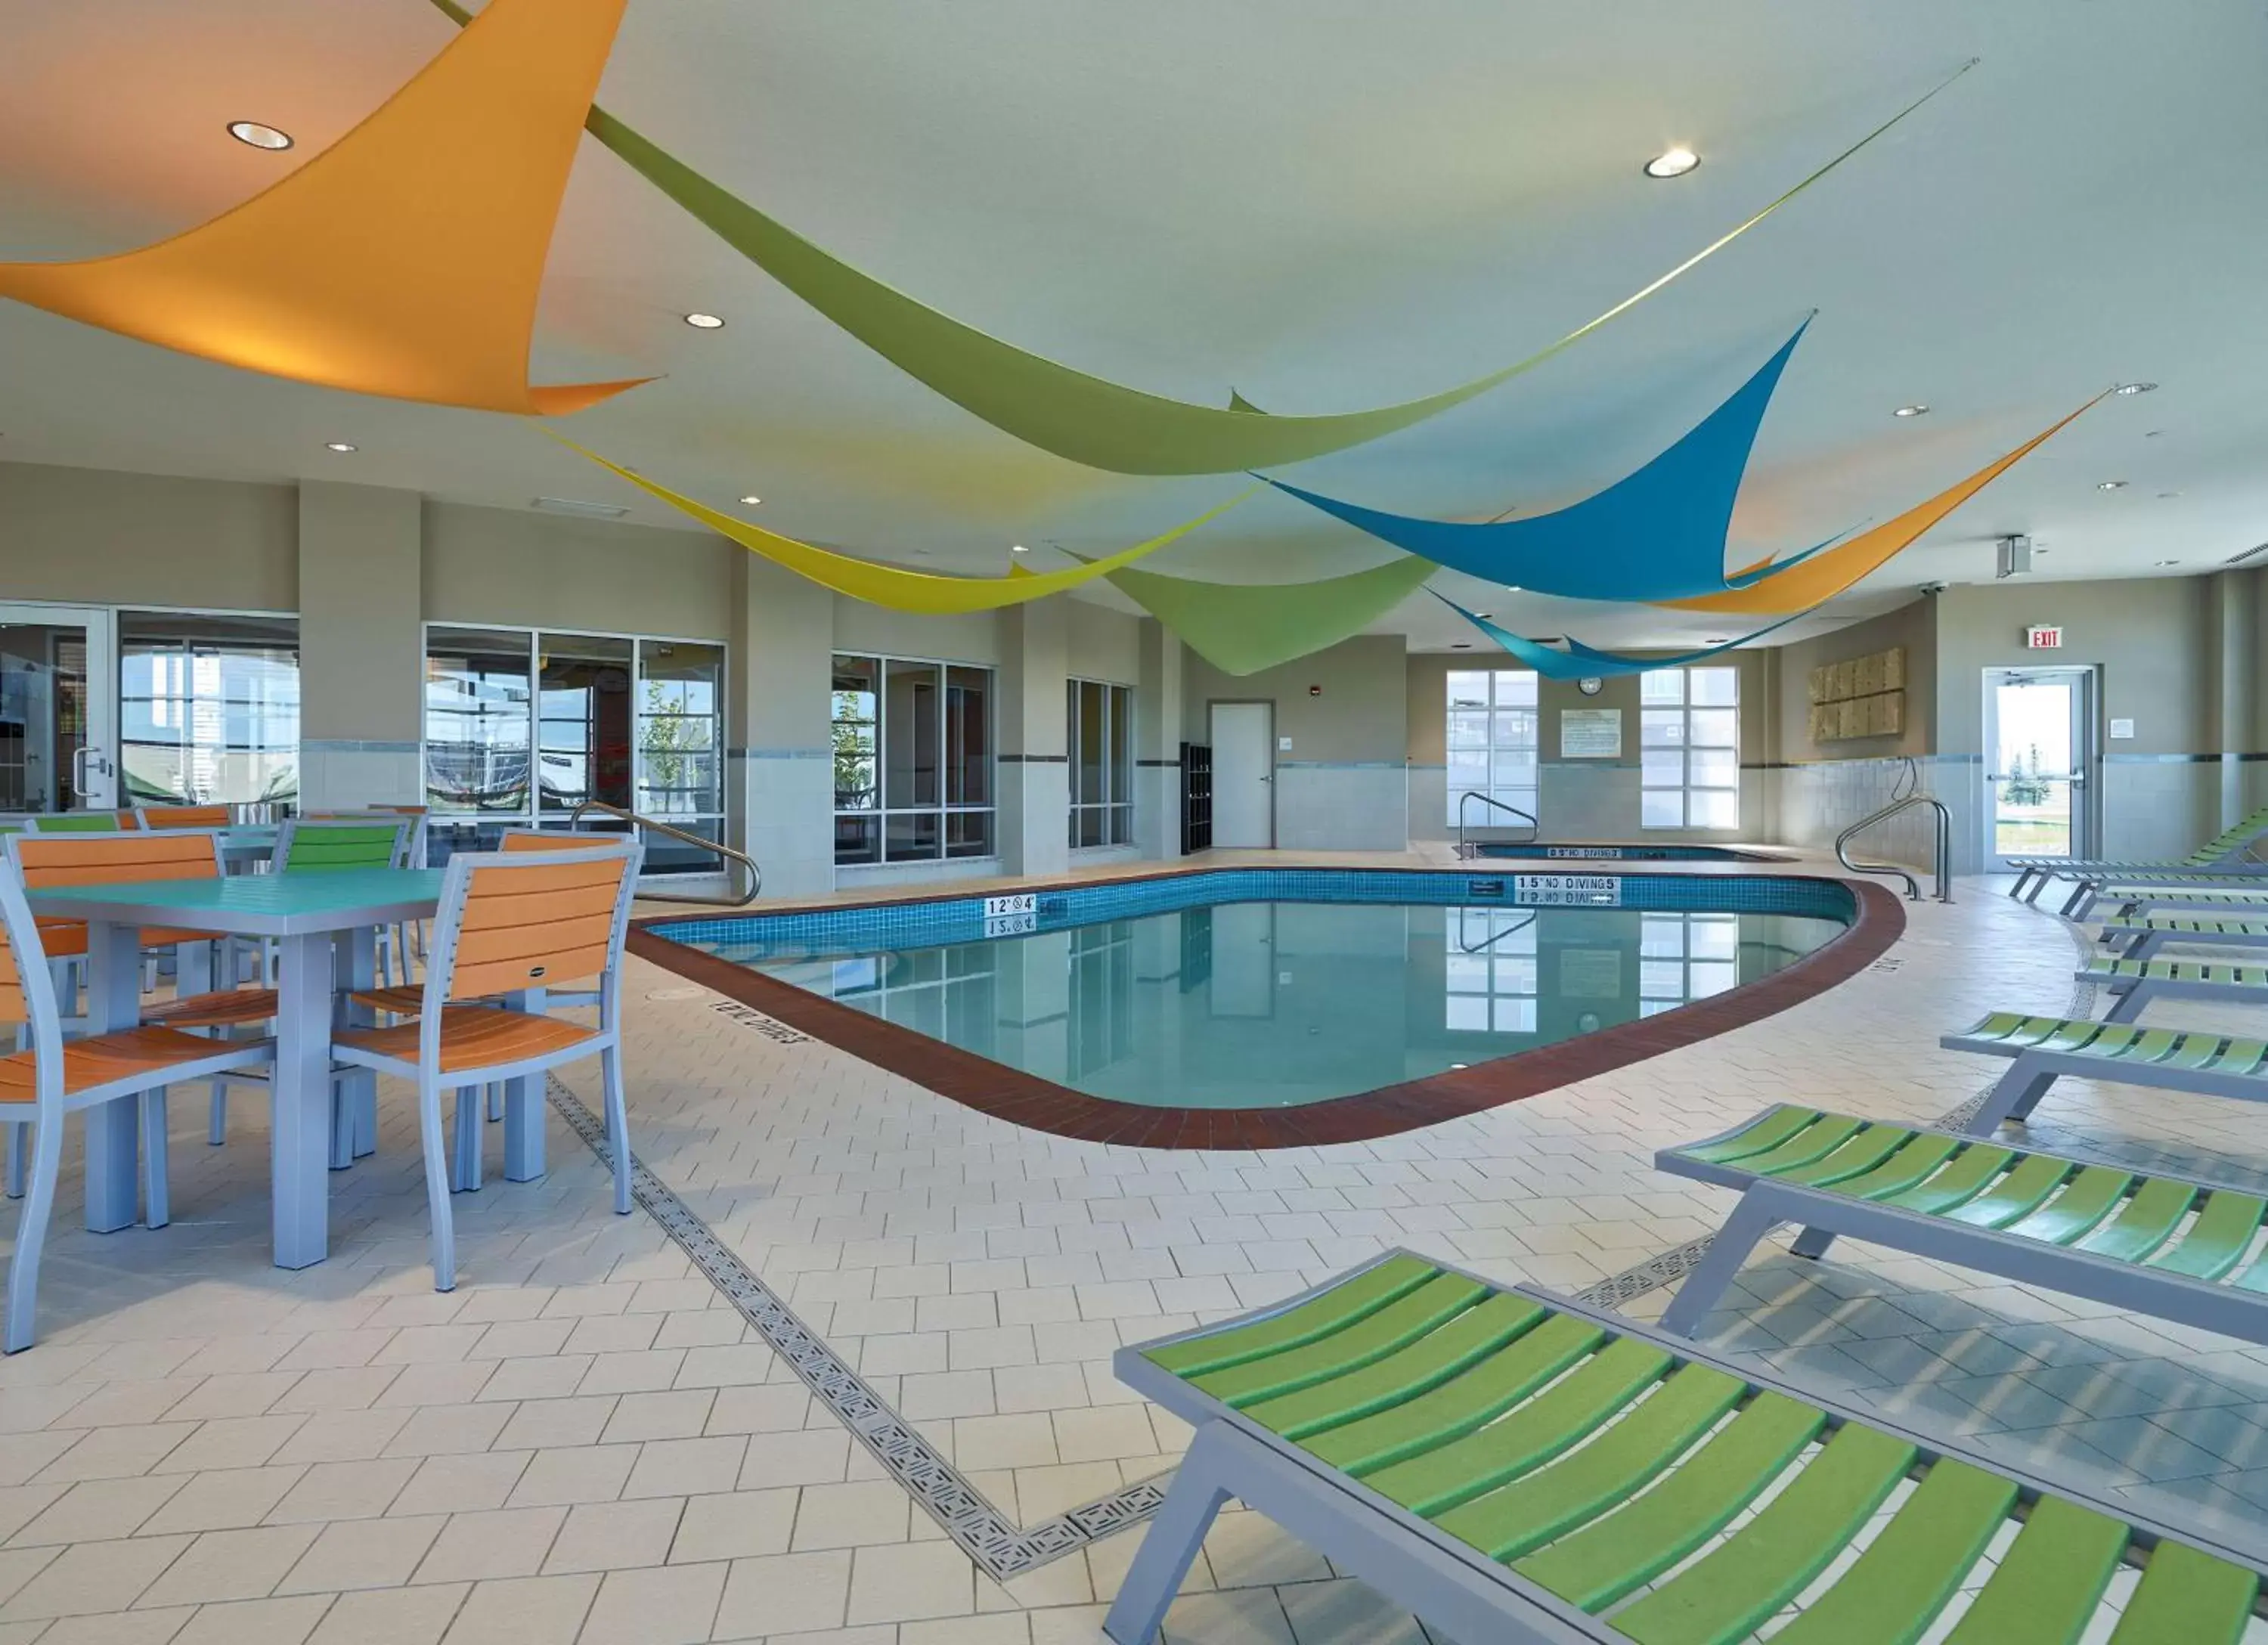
(79,769)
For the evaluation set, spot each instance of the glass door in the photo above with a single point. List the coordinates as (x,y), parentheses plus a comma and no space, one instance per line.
(58,709)
(2039,743)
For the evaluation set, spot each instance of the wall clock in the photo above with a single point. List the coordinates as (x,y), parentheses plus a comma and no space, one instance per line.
(1590,685)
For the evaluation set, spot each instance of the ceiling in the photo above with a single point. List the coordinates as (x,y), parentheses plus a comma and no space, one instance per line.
(1326,204)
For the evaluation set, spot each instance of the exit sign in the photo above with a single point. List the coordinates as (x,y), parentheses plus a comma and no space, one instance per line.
(2043,639)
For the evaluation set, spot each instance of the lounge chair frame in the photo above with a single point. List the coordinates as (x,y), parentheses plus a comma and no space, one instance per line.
(1824,1216)
(1422,1569)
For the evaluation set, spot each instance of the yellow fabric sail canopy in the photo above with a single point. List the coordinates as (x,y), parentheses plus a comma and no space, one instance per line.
(405,259)
(1823,575)
(894,586)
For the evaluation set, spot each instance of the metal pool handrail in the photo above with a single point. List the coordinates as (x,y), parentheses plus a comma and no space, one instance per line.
(1941,868)
(730,858)
(1534,829)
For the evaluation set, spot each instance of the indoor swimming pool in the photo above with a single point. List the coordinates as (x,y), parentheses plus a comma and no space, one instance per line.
(1271,989)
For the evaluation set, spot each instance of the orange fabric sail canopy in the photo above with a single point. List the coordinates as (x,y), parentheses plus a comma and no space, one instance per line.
(1823,575)
(405,259)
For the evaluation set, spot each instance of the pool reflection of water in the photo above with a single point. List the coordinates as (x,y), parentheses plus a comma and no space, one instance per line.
(1258,1005)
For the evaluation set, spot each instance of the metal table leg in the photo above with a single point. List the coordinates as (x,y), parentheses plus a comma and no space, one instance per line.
(113,1001)
(300,1128)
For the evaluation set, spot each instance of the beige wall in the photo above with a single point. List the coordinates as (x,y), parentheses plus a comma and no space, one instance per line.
(1104,644)
(534,570)
(90,536)
(1360,716)
(1912,625)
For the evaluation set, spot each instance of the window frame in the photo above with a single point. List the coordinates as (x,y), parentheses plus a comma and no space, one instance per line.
(946,809)
(1527,796)
(1116,808)
(287,756)
(531,813)
(1661,715)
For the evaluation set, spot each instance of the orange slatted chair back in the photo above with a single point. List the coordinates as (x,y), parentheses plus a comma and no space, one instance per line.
(539,925)
(535,839)
(49,860)
(14,1007)
(187,816)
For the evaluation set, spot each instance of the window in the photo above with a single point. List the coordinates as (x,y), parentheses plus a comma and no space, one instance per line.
(208,709)
(521,727)
(1685,957)
(1491,970)
(913,760)
(1101,720)
(1492,743)
(1689,748)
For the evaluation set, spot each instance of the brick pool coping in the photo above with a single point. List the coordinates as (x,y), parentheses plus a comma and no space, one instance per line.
(1025,1099)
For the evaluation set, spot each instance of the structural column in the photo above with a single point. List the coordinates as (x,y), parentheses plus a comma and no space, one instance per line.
(2229,640)
(780,780)
(361,646)
(1035,770)
(1158,741)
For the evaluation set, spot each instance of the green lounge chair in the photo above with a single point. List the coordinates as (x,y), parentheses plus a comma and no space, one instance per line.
(2229,850)
(2133,984)
(2141,937)
(1516,1468)
(2045,1049)
(2133,894)
(2089,1227)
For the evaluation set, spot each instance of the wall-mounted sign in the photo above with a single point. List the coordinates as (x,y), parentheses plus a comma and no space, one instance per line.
(1590,734)
(2043,637)
(2122,729)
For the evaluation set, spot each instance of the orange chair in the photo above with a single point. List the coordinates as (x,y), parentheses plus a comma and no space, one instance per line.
(40,1086)
(45,861)
(187,816)
(511,927)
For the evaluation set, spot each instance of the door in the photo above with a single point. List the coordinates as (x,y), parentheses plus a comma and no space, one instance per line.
(58,709)
(1244,774)
(2039,743)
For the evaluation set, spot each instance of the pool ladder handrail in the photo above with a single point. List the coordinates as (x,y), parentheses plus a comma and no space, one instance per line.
(1941,868)
(1464,848)
(730,858)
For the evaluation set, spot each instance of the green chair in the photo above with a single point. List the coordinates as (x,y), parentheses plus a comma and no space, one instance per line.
(1521,1470)
(2133,984)
(2043,1049)
(2089,1227)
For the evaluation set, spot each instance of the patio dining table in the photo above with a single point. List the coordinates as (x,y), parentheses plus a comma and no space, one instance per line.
(324,925)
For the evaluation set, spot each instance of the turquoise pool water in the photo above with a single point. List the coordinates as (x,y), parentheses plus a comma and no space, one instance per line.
(1230,1002)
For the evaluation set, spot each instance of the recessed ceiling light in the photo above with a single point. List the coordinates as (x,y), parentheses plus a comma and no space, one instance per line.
(337,445)
(259,136)
(703,322)
(1462,645)
(1913,410)
(2136,388)
(1716,642)
(752,501)
(2110,485)
(2169,561)
(1672,163)
(1484,615)
(1460,1064)
(1019,549)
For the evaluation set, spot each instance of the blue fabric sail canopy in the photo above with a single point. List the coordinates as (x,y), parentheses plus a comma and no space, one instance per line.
(1657,534)
(1579,660)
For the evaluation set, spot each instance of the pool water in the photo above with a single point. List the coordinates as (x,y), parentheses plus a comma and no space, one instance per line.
(1276,1003)
(1584,852)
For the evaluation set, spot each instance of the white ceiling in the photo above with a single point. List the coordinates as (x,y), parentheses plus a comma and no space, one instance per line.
(1325,203)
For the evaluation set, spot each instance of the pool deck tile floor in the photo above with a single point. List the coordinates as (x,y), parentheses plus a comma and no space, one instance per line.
(588,1440)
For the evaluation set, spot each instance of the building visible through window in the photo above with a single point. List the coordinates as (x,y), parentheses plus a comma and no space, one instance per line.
(208,709)
(912,751)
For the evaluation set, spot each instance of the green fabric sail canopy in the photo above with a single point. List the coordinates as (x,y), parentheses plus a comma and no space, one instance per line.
(1242,628)
(1082,417)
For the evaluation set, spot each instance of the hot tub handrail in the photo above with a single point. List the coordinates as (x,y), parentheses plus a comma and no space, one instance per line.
(1464,848)
(1464,947)
(1941,868)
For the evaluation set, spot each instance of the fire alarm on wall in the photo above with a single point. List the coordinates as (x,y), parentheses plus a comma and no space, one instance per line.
(1315,690)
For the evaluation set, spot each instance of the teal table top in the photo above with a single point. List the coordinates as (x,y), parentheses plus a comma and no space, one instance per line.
(256,905)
